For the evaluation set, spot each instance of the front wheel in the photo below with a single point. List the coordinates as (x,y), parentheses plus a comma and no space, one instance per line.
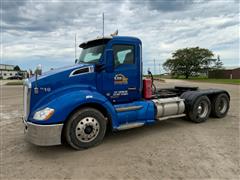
(85,128)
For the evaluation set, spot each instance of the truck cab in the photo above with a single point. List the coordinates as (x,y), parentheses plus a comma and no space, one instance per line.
(120,81)
(105,88)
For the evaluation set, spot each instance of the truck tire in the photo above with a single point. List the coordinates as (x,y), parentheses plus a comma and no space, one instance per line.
(220,105)
(85,128)
(200,109)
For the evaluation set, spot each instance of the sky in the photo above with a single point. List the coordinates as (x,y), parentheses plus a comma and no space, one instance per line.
(43,32)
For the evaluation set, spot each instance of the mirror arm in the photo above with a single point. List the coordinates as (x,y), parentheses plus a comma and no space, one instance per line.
(99,67)
(109,60)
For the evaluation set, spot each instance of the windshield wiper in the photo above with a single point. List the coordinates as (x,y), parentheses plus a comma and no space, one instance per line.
(81,61)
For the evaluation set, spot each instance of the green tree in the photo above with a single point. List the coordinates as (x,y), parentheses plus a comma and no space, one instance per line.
(218,64)
(189,61)
(17,68)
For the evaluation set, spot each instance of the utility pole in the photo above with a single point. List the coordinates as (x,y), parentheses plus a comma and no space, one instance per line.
(154,66)
(75,46)
(159,69)
(103,24)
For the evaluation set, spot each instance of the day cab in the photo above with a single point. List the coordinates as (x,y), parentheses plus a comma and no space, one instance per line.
(105,89)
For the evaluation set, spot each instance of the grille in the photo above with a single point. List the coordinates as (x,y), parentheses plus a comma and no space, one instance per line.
(26,100)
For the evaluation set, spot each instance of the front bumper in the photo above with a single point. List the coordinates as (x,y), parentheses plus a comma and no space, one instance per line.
(43,135)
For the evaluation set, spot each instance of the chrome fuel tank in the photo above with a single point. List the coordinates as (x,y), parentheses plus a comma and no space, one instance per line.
(169,107)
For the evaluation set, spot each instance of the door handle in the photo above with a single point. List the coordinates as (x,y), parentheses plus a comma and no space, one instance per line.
(132,88)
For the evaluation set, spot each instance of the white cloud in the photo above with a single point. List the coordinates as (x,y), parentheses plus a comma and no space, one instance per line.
(33,30)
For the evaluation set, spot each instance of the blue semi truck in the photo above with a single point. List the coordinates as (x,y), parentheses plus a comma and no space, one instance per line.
(105,89)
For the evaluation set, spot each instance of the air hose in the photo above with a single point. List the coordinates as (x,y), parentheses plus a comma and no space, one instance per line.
(153,85)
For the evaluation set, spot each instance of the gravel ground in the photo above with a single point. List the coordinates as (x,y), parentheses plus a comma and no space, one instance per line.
(172,149)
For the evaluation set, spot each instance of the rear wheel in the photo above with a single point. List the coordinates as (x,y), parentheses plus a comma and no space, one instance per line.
(85,128)
(220,105)
(200,110)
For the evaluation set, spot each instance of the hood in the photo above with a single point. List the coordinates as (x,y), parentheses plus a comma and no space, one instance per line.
(62,76)
(58,70)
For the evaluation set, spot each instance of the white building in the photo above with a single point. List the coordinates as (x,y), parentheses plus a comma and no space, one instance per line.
(7,71)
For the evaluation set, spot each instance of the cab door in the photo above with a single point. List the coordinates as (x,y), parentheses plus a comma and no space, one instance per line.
(122,85)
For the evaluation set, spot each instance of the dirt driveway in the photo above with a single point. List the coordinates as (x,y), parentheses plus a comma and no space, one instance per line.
(173,149)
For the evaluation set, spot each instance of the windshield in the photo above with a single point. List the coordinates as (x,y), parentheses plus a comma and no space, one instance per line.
(91,54)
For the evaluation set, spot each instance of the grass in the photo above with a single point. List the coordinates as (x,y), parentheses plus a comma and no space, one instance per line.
(14,83)
(202,79)
(220,81)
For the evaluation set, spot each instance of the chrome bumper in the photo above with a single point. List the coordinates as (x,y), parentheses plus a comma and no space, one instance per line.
(43,135)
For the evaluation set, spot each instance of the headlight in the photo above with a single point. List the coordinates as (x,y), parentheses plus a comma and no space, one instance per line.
(43,114)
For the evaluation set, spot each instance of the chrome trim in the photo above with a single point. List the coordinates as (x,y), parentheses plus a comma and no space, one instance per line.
(36,90)
(129,126)
(171,117)
(90,70)
(132,88)
(129,108)
(169,107)
(81,130)
(43,135)
(27,83)
(26,98)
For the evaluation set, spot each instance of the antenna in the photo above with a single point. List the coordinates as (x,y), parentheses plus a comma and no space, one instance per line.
(103,24)
(75,46)
(154,66)
(159,69)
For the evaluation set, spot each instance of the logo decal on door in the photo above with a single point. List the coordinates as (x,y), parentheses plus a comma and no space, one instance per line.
(120,79)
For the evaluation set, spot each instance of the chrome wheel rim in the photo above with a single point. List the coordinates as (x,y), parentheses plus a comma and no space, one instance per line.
(202,109)
(222,107)
(87,129)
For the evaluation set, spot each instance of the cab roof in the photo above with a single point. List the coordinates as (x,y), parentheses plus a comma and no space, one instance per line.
(108,38)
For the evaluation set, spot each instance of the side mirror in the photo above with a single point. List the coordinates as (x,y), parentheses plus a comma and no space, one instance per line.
(109,60)
(76,60)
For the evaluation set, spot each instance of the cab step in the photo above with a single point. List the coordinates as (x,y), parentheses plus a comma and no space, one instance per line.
(171,117)
(130,126)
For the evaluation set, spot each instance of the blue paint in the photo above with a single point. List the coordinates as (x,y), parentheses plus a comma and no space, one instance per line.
(65,93)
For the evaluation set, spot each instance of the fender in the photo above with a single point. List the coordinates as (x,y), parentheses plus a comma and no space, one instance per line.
(191,96)
(69,101)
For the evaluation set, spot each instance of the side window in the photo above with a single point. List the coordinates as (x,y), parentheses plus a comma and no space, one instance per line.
(123,54)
